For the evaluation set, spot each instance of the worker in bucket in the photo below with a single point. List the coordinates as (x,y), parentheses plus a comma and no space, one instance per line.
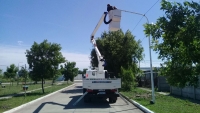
(109,7)
(103,60)
(104,63)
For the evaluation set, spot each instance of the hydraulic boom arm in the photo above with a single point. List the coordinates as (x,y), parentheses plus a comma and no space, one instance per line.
(114,25)
(99,57)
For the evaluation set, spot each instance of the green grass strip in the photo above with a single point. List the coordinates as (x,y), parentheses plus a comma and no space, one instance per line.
(7,104)
(164,103)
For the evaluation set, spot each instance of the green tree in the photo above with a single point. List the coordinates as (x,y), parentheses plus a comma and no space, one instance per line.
(119,50)
(84,70)
(56,72)
(43,58)
(176,38)
(11,72)
(80,72)
(1,73)
(23,73)
(33,75)
(69,71)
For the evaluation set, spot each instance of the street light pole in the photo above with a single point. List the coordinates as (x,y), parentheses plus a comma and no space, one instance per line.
(152,81)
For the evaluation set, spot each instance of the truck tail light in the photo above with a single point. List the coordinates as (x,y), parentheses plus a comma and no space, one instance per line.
(89,90)
(113,90)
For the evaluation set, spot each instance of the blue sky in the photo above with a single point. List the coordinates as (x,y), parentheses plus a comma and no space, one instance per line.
(69,23)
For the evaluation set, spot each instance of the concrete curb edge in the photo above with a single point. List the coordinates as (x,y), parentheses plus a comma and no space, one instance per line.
(146,110)
(31,102)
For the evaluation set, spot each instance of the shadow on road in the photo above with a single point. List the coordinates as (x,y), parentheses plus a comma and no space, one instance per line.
(78,87)
(81,105)
(96,103)
(72,91)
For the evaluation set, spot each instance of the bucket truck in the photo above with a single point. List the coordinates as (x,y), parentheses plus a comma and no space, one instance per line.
(97,83)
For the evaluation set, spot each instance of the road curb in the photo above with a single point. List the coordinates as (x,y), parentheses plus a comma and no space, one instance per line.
(31,102)
(144,109)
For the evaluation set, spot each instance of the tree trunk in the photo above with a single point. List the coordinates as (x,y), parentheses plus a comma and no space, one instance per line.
(17,81)
(52,81)
(25,86)
(42,85)
(10,81)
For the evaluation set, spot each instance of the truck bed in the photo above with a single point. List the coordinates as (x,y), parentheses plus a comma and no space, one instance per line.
(101,83)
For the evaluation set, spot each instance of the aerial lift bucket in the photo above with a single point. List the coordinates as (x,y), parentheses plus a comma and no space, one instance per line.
(115,15)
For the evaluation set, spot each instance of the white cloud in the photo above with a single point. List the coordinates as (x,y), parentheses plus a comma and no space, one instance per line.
(19,42)
(16,55)
(82,60)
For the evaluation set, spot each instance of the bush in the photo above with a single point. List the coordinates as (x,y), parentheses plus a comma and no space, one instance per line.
(128,79)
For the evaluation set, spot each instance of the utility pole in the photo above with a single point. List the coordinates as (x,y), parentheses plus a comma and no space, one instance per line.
(152,81)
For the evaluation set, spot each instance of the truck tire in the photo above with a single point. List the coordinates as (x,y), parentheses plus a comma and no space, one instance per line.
(84,90)
(112,99)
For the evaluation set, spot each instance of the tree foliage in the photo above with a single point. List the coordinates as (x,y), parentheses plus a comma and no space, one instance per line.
(69,71)
(176,38)
(11,72)
(43,60)
(23,73)
(128,79)
(82,71)
(1,73)
(119,50)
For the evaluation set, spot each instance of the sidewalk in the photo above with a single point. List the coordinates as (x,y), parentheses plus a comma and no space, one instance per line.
(21,93)
(147,89)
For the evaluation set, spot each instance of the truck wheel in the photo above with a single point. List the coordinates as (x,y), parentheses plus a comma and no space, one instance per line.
(84,90)
(112,100)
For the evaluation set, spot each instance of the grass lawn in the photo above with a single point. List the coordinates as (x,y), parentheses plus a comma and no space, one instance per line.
(6,104)
(18,88)
(164,104)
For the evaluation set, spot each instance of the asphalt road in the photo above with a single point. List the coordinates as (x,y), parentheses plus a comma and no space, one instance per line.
(62,102)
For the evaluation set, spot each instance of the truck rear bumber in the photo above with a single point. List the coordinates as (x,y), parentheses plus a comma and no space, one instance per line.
(101,83)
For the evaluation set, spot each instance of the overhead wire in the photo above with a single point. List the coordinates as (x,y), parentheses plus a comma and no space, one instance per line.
(145,14)
(151,7)
(143,17)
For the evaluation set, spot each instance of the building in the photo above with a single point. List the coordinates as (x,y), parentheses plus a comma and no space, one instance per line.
(160,82)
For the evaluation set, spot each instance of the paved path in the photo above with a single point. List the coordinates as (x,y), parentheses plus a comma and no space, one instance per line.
(62,102)
(162,93)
